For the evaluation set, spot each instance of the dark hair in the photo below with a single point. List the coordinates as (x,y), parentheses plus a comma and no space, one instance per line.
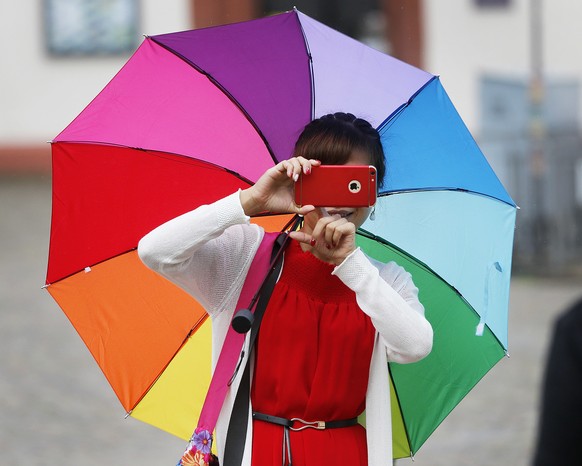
(332,138)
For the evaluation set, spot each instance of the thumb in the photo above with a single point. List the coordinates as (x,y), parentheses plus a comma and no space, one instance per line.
(304,210)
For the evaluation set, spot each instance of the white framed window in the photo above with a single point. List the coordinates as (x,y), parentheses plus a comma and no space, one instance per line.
(492,3)
(90,27)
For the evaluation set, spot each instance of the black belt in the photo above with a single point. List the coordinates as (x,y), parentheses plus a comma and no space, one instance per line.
(291,423)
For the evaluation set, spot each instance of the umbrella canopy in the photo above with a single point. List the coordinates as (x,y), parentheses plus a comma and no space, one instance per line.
(196,115)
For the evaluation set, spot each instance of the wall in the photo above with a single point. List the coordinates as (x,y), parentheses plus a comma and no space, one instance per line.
(463,41)
(40,94)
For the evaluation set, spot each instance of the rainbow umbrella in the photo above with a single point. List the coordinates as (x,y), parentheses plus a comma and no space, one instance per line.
(196,115)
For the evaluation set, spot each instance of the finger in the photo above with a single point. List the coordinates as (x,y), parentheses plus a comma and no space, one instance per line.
(323,232)
(296,170)
(319,230)
(331,228)
(336,235)
(337,229)
(284,167)
(302,237)
(305,165)
(304,210)
(313,162)
(308,164)
(288,168)
(345,229)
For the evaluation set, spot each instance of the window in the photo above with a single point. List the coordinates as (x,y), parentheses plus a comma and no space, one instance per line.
(491,3)
(91,27)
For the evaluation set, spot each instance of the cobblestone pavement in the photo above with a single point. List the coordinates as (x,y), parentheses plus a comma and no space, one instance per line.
(56,407)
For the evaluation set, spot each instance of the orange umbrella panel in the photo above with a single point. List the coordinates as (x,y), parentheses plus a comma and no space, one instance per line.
(132,320)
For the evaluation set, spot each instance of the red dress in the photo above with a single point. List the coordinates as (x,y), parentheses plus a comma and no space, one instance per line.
(312,362)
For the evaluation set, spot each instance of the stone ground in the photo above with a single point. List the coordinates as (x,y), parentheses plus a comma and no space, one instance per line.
(56,407)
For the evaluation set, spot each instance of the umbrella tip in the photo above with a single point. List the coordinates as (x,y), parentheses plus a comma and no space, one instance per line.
(49,141)
(480,328)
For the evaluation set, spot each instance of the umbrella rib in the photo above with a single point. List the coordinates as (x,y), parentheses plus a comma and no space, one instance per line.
(402,252)
(369,235)
(446,414)
(162,153)
(310,57)
(291,224)
(191,332)
(400,409)
(379,239)
(443,188)
(264,214)
(225,92)
(89,266)
(46,285)
(400,109)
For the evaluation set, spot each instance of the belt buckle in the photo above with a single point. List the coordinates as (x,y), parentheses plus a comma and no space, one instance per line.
(318,425)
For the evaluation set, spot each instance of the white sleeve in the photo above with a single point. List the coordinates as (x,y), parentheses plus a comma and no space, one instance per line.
(207,251)
(388,295)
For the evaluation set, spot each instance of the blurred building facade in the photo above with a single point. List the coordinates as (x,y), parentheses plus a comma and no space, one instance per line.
(486,52)
(513,71)
(43,89)
(540,161)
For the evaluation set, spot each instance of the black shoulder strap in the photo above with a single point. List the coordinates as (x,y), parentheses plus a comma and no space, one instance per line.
(237,427)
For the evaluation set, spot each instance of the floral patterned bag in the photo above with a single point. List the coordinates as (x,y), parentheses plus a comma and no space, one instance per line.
(199,450)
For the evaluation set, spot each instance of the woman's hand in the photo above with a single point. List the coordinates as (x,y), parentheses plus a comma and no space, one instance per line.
(332,239)
(273,192)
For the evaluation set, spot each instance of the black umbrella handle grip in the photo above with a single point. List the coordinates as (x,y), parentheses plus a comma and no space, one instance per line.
(242,321)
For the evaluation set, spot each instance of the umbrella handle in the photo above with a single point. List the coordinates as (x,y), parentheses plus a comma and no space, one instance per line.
(242,321)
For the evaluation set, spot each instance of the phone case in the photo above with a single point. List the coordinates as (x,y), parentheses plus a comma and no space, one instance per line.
(337,186)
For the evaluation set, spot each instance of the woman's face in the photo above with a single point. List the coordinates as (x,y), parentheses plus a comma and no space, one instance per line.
(356,215)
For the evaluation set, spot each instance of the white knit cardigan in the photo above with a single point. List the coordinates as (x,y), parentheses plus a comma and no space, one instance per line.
(208,252)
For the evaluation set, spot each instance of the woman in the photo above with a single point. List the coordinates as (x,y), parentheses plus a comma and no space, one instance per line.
(334,320)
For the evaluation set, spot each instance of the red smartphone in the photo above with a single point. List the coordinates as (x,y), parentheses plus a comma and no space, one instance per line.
(337,186)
